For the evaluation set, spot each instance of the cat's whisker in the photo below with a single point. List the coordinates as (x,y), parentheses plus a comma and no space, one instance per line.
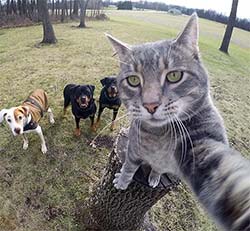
(183,139)
(118,60)
(184,112)
(139,135)
(175,133)
(191,143)
(171,136)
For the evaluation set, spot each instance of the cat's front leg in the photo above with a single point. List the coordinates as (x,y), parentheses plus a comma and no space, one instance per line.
(123,179)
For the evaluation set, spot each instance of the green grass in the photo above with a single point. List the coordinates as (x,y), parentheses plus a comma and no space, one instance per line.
(39,192)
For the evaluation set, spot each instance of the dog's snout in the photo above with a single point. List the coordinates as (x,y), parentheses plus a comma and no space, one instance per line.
(151,107)
(17,130)
(83,99)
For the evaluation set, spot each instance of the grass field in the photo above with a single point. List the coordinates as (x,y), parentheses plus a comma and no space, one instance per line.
(40,192)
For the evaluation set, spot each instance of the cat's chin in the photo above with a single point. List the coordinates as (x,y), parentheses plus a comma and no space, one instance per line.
(156,122)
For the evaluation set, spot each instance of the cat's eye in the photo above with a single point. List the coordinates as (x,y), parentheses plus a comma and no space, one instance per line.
(133,81)
(174,76)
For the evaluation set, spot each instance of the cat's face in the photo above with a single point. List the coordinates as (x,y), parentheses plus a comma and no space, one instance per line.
(162,81)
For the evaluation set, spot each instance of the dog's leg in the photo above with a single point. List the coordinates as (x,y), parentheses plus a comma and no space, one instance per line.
(93,127)
(77,131)
(40,134)
(115,112)
(66,104)
(99,116)
(51,116)
(25,142)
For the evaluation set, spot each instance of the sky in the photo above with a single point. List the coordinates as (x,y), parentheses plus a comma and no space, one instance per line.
(221,6)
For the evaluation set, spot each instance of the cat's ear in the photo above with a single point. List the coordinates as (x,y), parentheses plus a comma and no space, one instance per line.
(190,35)
(119,47)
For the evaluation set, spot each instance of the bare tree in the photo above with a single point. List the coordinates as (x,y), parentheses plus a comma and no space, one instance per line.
(229,30)
(76,7)
(112,209)
(48,31)
(63,10)
(83,9)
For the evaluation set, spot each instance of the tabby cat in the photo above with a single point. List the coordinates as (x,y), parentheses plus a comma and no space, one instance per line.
(176,128)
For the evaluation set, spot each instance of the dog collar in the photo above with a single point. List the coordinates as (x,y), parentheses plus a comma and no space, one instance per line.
(30,126)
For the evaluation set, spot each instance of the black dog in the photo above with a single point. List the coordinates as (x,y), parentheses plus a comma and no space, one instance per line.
(82,102)
(109,98)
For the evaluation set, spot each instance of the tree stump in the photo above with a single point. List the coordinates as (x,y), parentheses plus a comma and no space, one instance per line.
(111,209)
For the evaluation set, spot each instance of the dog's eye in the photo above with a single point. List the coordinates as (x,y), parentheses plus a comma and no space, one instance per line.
(174,76)
(133,81)
(20,117)
(9,120)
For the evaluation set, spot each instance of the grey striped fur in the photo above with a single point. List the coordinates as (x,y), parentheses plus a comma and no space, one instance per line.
(185,135)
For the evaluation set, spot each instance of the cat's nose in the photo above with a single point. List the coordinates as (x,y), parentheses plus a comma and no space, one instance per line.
(151,107)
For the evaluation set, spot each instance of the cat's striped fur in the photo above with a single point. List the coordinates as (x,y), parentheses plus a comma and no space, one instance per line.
(176,128)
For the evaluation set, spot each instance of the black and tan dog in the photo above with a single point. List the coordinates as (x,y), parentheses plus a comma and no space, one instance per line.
(109,98)
(82,101)
(25,118)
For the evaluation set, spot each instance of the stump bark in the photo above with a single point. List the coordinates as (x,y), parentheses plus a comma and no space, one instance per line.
(110,209)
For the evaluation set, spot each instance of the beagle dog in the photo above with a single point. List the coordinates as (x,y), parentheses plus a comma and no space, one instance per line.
(25,118)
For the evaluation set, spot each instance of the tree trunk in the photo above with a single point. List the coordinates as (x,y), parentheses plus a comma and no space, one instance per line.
(112,209)
(70,9)
(75,7)
(53,7)
(8,7)
(83,9)
(48,32)
(229,30)
(24,7)
(63,11)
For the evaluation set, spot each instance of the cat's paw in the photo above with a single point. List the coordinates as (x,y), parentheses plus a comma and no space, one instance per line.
(154,180)
(119,183)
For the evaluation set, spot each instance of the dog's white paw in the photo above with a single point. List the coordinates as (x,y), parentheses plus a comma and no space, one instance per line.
(154,180)
(52,120)
(44,149)
(25,145)
(118,183)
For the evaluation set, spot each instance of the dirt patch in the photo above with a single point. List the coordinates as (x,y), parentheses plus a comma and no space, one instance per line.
(104,141)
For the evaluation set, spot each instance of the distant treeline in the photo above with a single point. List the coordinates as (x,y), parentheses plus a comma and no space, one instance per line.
(208,14)
(21,12)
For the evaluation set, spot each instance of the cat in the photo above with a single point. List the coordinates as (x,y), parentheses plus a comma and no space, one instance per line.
(175,127)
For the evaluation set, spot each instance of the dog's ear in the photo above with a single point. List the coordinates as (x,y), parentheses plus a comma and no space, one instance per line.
(104,81)
(3,113)
(92,87)
(26,110)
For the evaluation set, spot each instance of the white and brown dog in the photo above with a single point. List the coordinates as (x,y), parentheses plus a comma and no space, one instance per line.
(24,118)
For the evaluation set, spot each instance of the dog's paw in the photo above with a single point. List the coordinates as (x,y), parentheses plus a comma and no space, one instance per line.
(25,145)
(97,124)
(93,128)
(112,127)
(118,183)
(77,132)
(44,149)
(52,120)
(154,180)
